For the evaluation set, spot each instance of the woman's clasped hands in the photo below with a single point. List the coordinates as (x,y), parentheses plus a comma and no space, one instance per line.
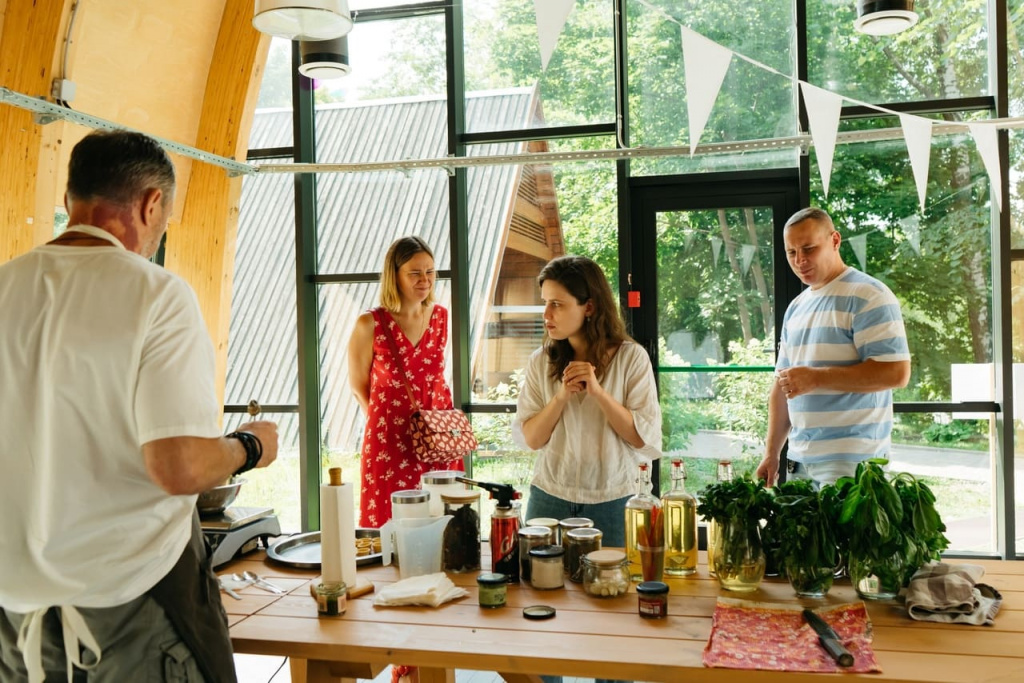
(578,377)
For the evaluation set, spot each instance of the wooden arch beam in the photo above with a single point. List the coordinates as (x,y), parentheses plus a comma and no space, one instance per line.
(30,39)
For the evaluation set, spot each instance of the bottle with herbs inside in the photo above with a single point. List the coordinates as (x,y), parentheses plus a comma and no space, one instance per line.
(680,512)
(645,531)
(724,474)
(461,544)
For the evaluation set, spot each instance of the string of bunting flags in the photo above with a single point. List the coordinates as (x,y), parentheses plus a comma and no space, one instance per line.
(706,63)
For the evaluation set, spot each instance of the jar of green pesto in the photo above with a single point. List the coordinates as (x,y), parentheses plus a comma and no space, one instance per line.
(493,589)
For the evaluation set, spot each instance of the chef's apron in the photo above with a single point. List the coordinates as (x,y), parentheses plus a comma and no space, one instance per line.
(190,595)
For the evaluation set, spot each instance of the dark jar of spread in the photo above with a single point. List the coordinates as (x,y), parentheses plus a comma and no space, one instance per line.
(652,597)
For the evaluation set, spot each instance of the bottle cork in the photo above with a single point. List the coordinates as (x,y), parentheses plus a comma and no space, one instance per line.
(335,474)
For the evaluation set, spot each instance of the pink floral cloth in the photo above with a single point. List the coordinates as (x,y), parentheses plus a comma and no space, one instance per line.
(750,635)
(387,462)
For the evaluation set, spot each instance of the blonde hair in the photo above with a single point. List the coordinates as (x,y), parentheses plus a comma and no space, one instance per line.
(399,253)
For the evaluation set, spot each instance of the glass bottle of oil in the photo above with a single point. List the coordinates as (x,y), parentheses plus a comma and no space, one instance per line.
(645,531)
(724,474)
(680,513)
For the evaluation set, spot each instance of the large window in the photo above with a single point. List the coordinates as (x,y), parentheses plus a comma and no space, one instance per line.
(719,283)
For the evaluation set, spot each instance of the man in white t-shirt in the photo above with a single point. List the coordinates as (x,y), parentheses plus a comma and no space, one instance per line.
(843,349)
(110,430)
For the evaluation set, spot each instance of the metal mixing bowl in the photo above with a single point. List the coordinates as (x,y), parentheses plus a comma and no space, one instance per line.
(218,498)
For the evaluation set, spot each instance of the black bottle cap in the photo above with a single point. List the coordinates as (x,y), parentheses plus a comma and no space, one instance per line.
(538,612)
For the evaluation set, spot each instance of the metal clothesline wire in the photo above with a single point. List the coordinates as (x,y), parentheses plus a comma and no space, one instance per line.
(47,112)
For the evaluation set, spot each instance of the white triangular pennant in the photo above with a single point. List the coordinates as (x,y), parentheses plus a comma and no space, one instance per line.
(912,229)
(747,252)
(917,132)
(823,110)
(986,139)
(705,63)
(859,244)
(551,18)
(716,249)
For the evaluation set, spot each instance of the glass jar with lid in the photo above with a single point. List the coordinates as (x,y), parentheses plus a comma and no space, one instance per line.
(439,482)
(410,504)
(606,573)
(531,537)
(579,543)
(461,540)
(569,523)
(546,570)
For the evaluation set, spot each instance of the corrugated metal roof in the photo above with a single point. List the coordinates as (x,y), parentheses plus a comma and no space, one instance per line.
(360,214)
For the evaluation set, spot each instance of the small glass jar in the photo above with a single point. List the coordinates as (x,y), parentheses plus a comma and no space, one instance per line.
(546,569)
(570,523)
(606,573)
(461,541)
(531,537)
(438,482)
(492,590)
(331,598)
(652,599)
(410,504)
(550,523)
(578,543)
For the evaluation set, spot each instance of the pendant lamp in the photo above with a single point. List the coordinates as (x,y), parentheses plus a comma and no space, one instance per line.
(884,17)
(303,19)
(324,59)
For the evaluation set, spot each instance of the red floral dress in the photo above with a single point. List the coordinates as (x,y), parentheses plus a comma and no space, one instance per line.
(388,464)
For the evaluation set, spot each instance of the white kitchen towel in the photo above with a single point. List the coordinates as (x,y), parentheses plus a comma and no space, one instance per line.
(431,590)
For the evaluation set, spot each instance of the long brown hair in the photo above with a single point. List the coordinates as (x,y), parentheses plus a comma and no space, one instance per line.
(603,330)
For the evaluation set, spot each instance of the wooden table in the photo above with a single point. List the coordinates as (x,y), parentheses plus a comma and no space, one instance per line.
(591,637)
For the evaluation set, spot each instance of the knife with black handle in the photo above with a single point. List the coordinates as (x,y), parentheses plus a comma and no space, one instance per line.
(829,639)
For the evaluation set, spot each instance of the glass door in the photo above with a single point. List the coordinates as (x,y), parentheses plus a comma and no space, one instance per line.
(713,286)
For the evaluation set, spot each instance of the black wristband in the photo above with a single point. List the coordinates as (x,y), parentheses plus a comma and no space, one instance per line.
(253,450)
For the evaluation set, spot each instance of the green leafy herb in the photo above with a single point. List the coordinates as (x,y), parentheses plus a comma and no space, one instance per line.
(803,526)
(742,498)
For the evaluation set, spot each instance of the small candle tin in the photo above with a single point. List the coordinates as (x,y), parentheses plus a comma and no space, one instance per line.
(652,597)
(331,599)
(492,589)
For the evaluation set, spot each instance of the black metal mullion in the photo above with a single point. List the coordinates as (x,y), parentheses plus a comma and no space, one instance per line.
(307,309)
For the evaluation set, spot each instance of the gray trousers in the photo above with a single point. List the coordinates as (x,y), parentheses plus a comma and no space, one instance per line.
(137,642)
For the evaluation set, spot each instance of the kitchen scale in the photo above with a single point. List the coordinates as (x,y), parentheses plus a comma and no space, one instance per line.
(237,531)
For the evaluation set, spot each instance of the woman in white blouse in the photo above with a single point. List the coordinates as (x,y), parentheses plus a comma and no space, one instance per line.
(588,402)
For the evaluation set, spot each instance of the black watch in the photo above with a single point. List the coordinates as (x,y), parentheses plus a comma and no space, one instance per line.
(253,450)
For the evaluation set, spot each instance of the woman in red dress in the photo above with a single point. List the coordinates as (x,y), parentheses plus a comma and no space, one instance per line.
(419,328)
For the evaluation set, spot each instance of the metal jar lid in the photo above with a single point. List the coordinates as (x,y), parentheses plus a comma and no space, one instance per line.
(605,558)
(441,477)
(585,534)
(534,532)
(652,587)
(409,497)
(491,579)
(546,551)
(575,523)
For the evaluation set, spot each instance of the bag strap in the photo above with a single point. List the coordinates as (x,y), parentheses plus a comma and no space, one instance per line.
(396,357)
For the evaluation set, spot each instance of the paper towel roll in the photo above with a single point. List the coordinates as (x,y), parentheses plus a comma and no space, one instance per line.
(337,534)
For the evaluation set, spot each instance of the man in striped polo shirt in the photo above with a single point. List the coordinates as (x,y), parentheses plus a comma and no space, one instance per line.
(842,352)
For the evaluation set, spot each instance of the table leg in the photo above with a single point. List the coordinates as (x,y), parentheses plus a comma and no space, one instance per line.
(320,671)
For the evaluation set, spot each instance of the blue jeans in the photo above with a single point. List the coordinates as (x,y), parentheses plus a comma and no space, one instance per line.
(609,517)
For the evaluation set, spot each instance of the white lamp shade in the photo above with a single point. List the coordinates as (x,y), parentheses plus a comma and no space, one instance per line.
(884,17)
(303,19)
(324,59)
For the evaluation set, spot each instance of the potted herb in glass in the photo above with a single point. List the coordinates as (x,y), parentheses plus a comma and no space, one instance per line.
(888,528)
(803,526)
(737,508)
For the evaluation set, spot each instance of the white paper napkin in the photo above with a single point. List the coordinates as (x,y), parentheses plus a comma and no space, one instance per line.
(431,590)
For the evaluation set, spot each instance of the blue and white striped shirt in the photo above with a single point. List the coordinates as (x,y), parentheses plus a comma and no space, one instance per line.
(852,319)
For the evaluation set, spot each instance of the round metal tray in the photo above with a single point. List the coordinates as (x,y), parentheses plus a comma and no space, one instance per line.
(303,550)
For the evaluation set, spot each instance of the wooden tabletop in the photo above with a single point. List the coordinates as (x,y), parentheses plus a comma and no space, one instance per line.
(592,637)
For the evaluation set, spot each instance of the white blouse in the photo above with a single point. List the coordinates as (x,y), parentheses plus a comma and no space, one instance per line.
(585,461)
